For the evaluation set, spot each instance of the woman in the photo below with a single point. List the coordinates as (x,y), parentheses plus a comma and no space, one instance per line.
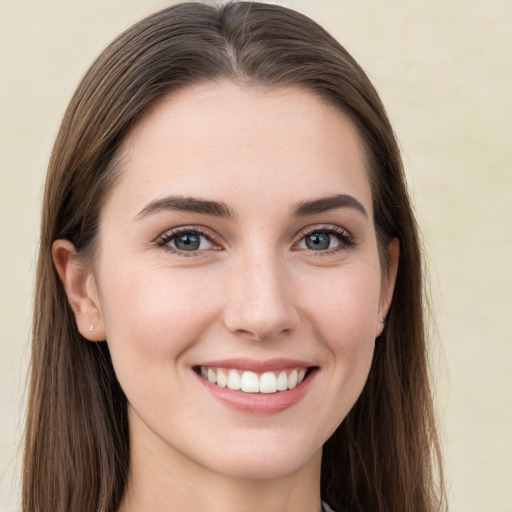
(228,307)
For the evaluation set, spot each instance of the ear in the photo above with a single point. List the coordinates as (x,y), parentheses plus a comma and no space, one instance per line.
(388,284)
(80,286)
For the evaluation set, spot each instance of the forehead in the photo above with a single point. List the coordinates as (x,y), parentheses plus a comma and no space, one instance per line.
(259,144)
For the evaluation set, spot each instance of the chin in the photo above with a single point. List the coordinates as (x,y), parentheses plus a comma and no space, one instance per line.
(263,459)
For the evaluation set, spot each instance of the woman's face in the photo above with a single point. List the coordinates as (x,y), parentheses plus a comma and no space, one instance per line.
(239,245)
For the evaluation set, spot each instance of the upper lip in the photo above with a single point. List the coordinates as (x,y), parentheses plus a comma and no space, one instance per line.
(253,365)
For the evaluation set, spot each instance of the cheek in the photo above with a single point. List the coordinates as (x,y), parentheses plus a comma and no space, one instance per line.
(345,307)
(152,315)
(344,315)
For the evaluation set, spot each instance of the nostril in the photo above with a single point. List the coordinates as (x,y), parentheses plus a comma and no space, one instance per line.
(249,334)
(262,335)
(255,326)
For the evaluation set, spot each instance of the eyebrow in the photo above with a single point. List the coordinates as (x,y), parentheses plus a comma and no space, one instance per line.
(220,209)
(325,204)
(186,204)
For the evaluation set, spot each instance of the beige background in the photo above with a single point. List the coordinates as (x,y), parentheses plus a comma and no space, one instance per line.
(444,70)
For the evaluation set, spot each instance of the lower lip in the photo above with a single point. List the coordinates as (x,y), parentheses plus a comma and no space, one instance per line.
(259,403)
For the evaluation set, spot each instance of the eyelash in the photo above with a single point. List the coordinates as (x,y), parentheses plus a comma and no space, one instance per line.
(346,241)
(169,236)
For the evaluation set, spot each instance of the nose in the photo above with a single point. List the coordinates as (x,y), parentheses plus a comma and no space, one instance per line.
(260,299)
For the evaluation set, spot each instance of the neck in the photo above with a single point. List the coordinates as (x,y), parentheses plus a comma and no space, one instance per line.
(164,480)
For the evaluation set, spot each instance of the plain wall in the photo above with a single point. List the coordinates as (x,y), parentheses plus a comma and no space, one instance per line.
(444,71)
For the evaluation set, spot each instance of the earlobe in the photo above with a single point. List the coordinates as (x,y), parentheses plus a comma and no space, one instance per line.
(80,287)
(388,284)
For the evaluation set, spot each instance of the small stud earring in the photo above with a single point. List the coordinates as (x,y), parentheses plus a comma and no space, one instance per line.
(91,327)
(382,321)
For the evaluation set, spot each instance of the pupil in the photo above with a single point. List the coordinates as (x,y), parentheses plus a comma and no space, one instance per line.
(318,241)
(187,242)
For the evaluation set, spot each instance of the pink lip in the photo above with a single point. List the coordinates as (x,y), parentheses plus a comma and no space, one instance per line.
(270,365)
(258,403)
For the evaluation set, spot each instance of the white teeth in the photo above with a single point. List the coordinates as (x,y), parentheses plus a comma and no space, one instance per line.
(282,382)
(292,379)
(233,380)
(268,383)
(212,376)
(222,379)
(251,382)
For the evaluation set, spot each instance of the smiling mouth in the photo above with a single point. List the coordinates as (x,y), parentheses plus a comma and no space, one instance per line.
(253,382)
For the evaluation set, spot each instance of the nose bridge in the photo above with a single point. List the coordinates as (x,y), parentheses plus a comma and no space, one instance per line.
(260,303)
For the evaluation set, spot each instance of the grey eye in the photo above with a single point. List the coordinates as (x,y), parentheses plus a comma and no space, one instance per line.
(190,241)
(319,241)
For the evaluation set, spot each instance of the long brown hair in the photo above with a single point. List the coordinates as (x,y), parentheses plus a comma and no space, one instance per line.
(385,454)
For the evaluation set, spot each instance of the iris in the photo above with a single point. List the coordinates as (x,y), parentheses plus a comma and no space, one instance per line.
(318,241)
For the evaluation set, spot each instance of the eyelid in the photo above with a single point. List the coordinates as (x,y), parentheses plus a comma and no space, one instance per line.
(164,238)
(346,238)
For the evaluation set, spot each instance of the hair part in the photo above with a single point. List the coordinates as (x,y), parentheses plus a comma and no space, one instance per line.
(384,454)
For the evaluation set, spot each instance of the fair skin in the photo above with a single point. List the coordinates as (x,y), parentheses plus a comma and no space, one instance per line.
(263,278)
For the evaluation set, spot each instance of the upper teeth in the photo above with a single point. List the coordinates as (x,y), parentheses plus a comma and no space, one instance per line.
(251,382)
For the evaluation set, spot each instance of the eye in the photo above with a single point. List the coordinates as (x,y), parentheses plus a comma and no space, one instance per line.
(319,241)
(186,240)
(325,239)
